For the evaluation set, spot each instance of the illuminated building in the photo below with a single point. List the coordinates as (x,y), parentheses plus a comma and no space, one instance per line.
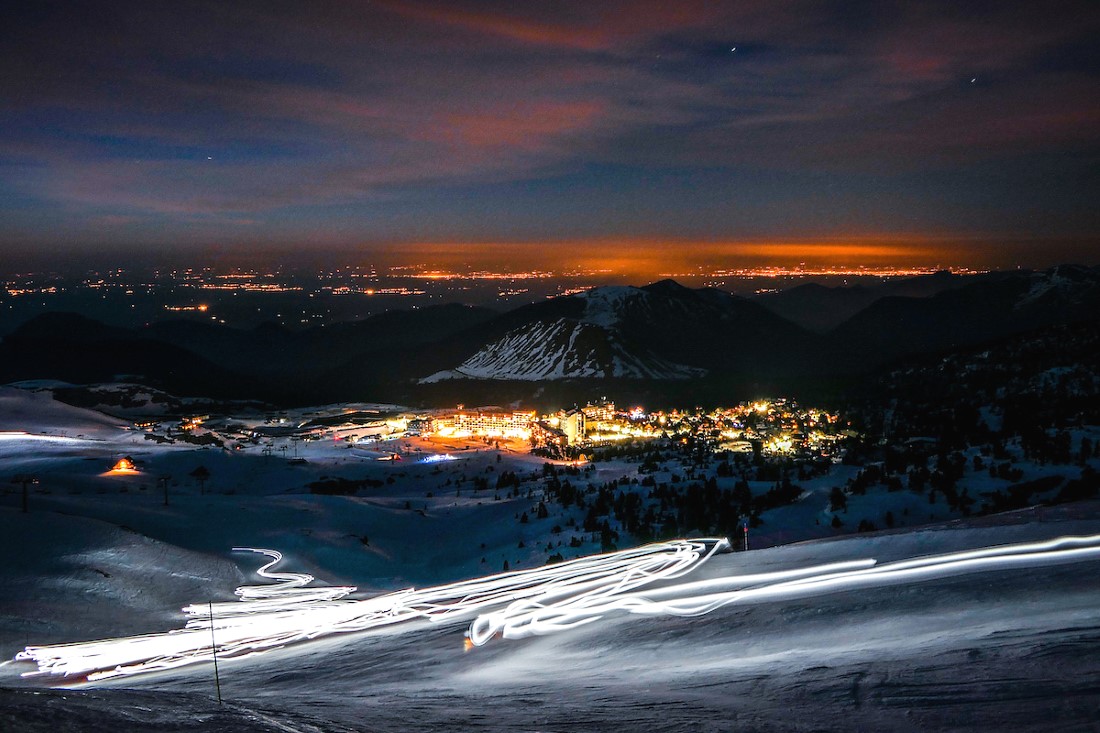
(475,422)
(573,425)
(421,426)
(603,411)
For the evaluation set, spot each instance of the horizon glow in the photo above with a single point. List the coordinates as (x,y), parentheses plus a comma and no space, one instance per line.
(163,129)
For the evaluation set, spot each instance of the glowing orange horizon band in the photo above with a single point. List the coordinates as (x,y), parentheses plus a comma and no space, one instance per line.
(649,256)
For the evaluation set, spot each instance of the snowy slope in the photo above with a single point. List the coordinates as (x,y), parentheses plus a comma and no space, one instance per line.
(144,711)
(1011,648)
(79,577)
(565,349)
(605,335)
(38,412)
(605,306)
(1064,285)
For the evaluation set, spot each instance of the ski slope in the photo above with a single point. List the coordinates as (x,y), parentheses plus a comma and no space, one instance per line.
(975,624)
(970,627)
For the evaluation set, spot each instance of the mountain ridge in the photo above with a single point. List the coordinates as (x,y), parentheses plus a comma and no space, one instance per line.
(660,333)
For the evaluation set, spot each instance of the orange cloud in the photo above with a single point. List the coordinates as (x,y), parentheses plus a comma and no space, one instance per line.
(593,27)
(522,125)
(504,26)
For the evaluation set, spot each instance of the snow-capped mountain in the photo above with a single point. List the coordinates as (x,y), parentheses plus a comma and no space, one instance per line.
(661,331)
(563,349)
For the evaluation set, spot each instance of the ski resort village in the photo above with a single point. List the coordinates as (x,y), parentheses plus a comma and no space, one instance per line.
(915,552)
(364,544)
(768,427)
(437,459)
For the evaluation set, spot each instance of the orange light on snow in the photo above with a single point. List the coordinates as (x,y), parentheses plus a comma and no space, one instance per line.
(124,465)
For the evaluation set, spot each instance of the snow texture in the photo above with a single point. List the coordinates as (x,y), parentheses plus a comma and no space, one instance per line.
(564,349)
(1010,649)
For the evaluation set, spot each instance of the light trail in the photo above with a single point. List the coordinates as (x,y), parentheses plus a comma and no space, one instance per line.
(516,604)
(521,619)
(289,591)
(279,616)
(20,436)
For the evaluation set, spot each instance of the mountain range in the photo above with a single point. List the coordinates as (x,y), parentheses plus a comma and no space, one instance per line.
(688,340)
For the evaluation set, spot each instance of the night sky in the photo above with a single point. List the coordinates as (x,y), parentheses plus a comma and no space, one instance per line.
(952,133)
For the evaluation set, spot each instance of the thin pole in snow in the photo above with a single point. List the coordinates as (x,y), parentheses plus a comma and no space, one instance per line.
(214,651)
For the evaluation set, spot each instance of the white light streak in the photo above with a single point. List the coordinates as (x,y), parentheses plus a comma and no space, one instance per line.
(282,614)
(438,457)
(516,604)
(521,619)
(288,592)
(18,435)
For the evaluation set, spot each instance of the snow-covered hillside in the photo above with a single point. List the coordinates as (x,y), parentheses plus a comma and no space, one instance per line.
(37,412)
(1065,285)
(563,349)
(605,306)
(1009,646)
(976,649)
(609,332)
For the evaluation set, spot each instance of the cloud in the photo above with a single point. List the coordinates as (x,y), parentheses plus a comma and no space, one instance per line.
(333,108)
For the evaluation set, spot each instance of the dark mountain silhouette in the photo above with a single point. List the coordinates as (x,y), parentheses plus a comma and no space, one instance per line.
(660,331)
(818,307)
(986,309)
(70,347)
(273,351)
(661,339)
(821,308)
